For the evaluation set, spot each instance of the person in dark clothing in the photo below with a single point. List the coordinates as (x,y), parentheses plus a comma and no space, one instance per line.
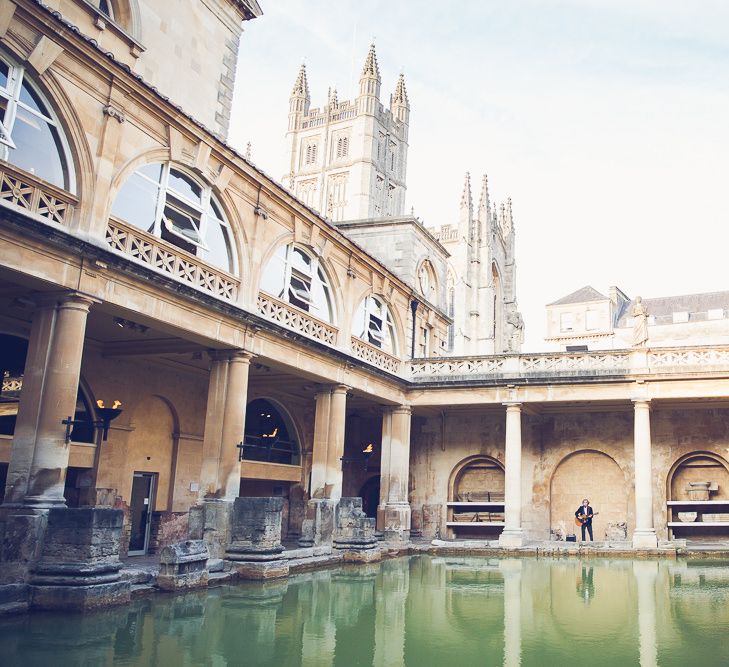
(584,515)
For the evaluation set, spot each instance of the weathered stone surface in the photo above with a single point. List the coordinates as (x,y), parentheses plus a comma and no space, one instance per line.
(79,564)
(318,527)
(211,521)
(354,529)
(255,548)
(21,538)
(13,598)
(183,565)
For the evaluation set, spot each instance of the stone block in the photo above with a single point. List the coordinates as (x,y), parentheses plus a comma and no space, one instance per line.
(79,566)
(255,548)
(13,598)
(211,521)
(354,529)
(317,528)
(432,521)
(21,539)
(183,565)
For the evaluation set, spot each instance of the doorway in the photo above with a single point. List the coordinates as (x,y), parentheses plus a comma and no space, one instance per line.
(141,506)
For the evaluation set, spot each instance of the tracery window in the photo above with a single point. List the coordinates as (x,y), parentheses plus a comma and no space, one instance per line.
(342,147)
(427,280)
(310,153)
(295,276)
(30,136)
(167,202)
(373,323)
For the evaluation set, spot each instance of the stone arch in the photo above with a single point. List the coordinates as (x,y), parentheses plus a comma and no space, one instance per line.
(700,465)
(151,447)
(473,471)
(293,432)
(593,474)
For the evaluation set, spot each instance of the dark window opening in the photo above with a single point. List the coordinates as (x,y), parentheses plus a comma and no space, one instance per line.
(268,437)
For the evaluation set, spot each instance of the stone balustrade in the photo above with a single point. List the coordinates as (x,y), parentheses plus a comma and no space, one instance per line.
(638,362)
(155,253)
(294,318)
(20,190)
(375,356)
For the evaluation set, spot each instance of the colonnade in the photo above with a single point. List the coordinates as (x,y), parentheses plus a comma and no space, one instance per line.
(40,453)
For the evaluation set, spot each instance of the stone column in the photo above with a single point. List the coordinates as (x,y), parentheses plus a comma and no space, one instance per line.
(323,400)
(225,420)
(644,536)
(53,367)
(512,535)
(335,442)
(394,509)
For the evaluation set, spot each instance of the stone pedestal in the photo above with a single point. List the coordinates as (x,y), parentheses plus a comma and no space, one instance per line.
(79,564)
(255,532)
(183,566)
(355,532)
(210,521)
(317,529)
(21,538)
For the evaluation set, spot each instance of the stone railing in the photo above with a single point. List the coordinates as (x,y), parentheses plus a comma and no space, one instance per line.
(375,356)
(21,191)
(155,253)
(654,361)
(293,318)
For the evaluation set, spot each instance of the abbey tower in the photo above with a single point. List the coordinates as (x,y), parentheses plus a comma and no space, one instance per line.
(348,160)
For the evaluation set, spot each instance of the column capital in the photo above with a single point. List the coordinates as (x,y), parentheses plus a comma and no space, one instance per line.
(512,406)
(641,402)
(66,299)
(237,354)
(399,409)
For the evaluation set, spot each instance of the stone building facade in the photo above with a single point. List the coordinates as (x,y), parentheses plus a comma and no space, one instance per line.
(178,330)
(591,320)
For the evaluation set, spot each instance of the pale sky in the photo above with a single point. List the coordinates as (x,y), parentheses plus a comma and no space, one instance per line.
(606,121)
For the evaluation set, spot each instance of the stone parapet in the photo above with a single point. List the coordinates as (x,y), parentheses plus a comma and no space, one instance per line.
(79,563)
(183,565)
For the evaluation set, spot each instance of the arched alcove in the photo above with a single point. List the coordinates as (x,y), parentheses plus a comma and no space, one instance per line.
(698,467)
(593,475)
(270,435)
(477,478)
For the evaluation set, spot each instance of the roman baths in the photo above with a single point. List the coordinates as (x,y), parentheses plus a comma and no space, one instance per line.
(245,421)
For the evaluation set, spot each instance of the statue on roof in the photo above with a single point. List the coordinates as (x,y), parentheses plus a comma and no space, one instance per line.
(640,323)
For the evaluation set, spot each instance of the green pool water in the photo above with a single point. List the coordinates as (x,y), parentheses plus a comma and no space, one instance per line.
(416,611)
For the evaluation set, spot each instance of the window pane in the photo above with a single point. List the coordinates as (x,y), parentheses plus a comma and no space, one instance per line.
(358,322)
(321,302)
(272,280)
(153,171)
(29,97)
(301,261)
(181,221)
(137,202)
(217,241)
(184,186)
(38,149)
(4,74)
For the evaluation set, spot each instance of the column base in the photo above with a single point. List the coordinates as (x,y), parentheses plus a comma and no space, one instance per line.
(645,539)
(317,529)
(396,524)
(511,538)
(210,521)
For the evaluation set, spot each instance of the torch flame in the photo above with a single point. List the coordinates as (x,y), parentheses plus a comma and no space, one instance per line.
(368,449)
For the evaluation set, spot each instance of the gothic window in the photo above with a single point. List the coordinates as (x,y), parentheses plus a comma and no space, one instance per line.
(451,286)
(30,135)
(373,323)
(307,191)
(269,435)
(342,147)
(424,341)
(337,197)
(393,156)
(310,153)
(104,6)
(169,203)
(295,276)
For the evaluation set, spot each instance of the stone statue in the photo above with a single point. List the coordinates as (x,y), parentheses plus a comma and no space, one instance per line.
(516,330)
(640,324)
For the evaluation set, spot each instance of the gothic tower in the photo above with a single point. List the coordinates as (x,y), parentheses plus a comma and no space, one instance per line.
(482,277)
(348,160)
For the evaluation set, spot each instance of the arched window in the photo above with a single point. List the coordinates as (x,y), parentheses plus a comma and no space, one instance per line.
(428,281)
(373,323)
(311,153)
(13,352)
(30,136)
(269,435)
(169,203)
(293,275)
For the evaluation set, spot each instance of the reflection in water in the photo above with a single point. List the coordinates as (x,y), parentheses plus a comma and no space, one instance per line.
(416,611)
(585,584)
